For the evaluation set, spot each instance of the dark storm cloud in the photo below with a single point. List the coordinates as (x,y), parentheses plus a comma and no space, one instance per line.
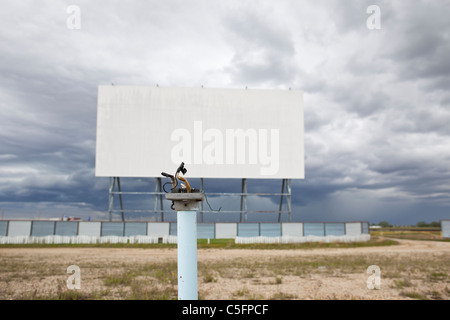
(421,44)
(417,48)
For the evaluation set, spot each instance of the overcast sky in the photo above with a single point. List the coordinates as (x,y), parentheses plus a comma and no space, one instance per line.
(376,101)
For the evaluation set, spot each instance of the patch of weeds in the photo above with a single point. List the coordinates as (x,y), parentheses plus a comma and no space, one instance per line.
(80,295)
(413,295)
(277,280)
(435,295)
(254,296)
(245,293)
(282,296)
(142,292)
(63,293)
(165,276)
(400,284)
(164,273)
(437,276)
(391,274)
(208,277)
(123,279)
(241,292)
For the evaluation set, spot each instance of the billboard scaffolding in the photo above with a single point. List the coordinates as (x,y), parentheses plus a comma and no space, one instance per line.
(158,204)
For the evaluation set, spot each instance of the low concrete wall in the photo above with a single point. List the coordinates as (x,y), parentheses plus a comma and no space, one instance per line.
(31,231)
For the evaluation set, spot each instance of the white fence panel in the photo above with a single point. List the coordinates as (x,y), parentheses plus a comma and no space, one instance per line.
(353,228)
(445,228)
(158,229)
(226,230)
(89,229)
(292,229)
(19,228)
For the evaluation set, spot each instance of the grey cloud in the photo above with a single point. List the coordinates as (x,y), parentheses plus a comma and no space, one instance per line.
(264,51)
(419,44)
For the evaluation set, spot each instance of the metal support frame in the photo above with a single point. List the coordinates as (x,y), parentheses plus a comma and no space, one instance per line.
(243,200)
(285,186)
(159,198)
(158,208)
(281,200)
(112,184)
(201,203)
(158,194)
(122,214)
(289,198)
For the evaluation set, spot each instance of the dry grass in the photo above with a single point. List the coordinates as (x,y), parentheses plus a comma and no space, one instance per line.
(339,273)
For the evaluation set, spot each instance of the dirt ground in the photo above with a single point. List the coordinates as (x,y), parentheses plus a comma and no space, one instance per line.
(410,270)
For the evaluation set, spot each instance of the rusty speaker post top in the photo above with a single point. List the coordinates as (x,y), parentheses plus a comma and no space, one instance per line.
(186,201)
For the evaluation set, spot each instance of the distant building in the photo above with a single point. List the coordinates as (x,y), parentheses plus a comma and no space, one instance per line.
(66,218)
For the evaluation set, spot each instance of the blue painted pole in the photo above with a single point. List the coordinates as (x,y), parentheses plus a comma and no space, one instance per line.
(187,255)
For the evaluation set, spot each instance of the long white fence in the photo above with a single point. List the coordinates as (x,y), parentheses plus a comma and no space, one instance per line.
(55,232)
(85,239)
(289,239)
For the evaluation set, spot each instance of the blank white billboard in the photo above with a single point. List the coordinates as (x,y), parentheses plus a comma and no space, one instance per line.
(217,133)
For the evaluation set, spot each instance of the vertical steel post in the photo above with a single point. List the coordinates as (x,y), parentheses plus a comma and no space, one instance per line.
(280,208)
(120,199)
(187,255)
(158,198)
(243,200)
(289,197)
(161,199)
(187,205)
(112,181)
(155,204)
(201,203)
